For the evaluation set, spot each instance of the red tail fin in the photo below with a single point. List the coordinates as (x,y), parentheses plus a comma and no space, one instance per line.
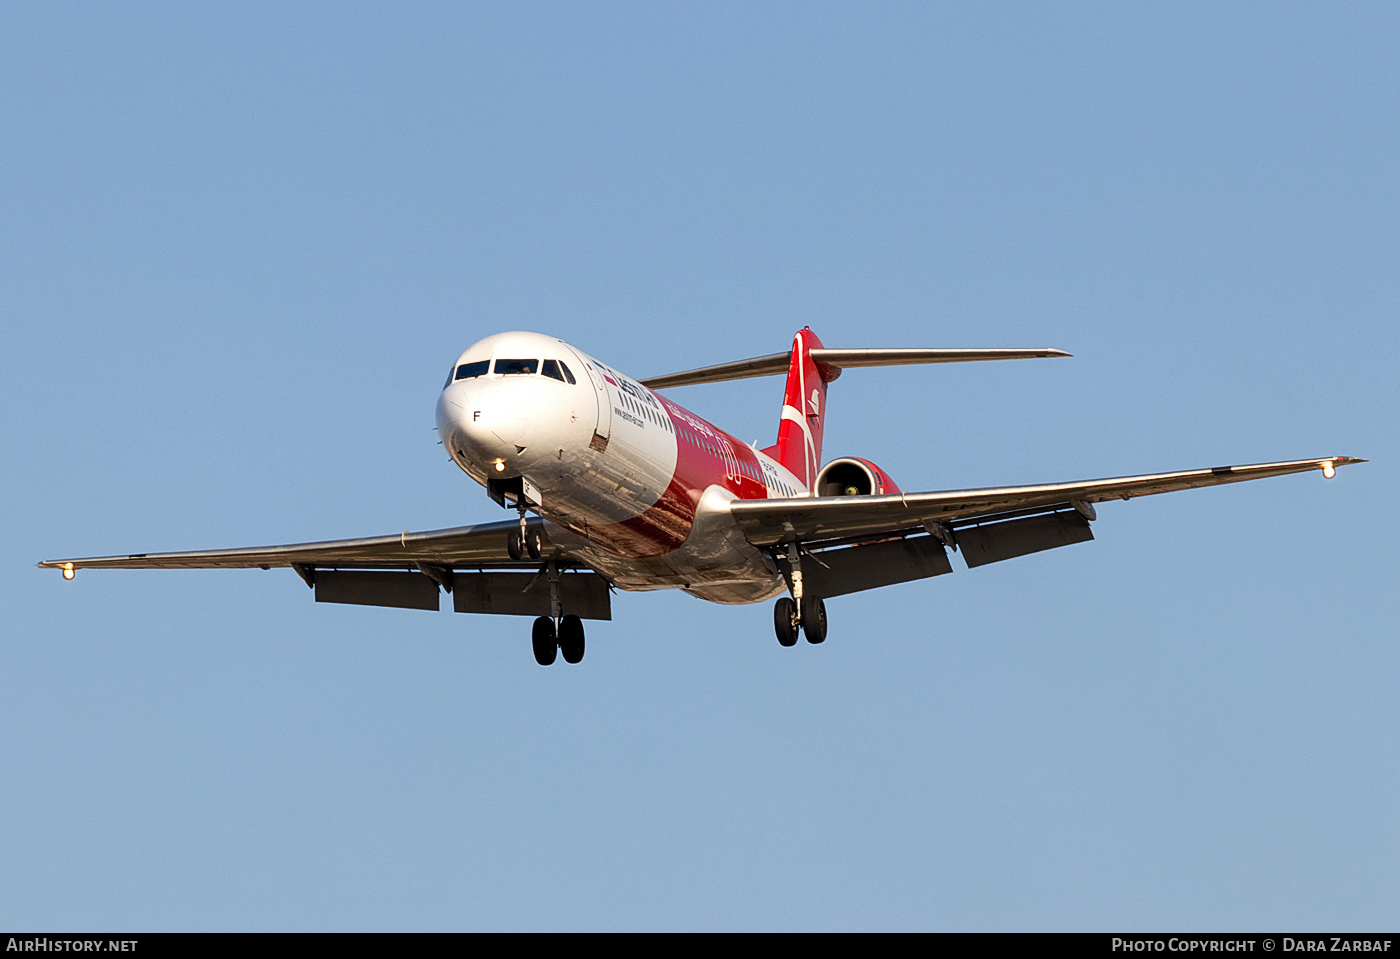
(799,446)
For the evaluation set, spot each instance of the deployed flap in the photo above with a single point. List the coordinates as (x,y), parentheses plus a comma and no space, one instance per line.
(814,519)
(995,542)
(363,588)
(836,572)
(584,595)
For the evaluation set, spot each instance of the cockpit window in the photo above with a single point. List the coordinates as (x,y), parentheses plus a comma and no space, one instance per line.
(468,370)
(508,367)
(551,368)
(568,377)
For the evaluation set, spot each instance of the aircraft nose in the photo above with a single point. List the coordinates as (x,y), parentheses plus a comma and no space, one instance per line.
(476,418)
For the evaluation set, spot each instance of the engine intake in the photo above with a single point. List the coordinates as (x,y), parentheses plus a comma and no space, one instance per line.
(853,476)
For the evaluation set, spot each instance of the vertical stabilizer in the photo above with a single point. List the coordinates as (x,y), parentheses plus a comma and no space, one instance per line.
(799,446)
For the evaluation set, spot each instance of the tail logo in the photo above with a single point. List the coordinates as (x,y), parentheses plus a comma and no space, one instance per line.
(815,403)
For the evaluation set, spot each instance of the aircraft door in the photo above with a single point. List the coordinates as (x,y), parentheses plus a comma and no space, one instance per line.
(731,461)
(602,430)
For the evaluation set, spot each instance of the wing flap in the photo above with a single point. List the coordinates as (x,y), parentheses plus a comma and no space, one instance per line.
(766,522)
(360,587)
(996,542)
(854,569)
(521,594)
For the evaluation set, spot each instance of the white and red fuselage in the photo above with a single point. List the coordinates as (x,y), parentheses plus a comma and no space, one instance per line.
(627,481)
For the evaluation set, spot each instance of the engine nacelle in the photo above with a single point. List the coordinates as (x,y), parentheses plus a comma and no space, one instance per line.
(853,476)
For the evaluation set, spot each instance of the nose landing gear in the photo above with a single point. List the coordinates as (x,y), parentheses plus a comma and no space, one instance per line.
(520,544)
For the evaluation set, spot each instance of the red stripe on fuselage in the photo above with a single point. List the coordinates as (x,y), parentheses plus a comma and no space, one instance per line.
(705,456)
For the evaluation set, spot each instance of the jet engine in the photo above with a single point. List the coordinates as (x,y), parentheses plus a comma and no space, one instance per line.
(853,476)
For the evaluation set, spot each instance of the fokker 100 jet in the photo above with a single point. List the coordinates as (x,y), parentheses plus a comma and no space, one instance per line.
(617,487)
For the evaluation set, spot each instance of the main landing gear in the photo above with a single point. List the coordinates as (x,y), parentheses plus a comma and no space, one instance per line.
(555,633)
(812,620)
(550,639)
(799,610)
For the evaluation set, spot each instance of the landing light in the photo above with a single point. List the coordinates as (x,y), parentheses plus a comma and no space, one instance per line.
(500,466)
(1329,469)
(67,570)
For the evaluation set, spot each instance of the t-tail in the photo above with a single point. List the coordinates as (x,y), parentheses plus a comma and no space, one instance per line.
(799,446)
(810,367)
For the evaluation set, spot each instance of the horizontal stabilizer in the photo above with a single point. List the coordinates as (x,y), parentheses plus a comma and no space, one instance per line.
(837,360)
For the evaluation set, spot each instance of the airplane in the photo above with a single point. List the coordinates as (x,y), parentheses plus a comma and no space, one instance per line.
(616,487)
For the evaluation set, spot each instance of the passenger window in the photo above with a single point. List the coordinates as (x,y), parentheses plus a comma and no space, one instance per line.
(512,367)
(568,377)
(467,370)
(551,369)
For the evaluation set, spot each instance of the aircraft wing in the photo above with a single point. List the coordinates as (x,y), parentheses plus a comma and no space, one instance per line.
(483,545)
(404,570)
(813,520)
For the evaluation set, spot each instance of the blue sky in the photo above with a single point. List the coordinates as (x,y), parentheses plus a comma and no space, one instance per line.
(240,245)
